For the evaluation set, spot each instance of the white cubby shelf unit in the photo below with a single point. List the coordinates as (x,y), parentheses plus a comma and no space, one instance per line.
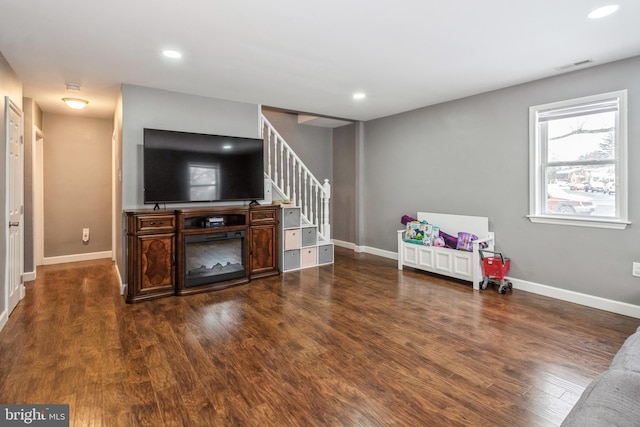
(300,244)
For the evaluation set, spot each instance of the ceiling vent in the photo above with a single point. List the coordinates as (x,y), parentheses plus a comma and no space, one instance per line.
(575,65)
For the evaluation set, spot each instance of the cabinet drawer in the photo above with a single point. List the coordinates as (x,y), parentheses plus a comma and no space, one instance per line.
(308,257)
(262,215)
(292,239)
(309,236)
(291,217)
(155,223)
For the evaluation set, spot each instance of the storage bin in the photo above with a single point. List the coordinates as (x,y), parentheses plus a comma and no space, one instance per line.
(309,257)
(309,236)
(291,217)
(292,239)
(291,260)
(325,254)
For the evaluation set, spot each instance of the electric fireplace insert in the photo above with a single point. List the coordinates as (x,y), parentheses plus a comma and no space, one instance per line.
(214,257)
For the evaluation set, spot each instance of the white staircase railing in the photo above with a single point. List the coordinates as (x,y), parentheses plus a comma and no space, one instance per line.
(294,180)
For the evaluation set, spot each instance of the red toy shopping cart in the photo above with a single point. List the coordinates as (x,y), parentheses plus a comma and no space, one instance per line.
(495,267)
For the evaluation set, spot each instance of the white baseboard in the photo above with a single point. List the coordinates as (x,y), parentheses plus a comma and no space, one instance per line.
(3,319)
(76,258)
(365,249)
(342,244)
(121,285)
(29,276)
(380,252)
(592,301)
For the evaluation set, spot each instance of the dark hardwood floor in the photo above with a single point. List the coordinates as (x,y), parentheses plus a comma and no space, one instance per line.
(357,343)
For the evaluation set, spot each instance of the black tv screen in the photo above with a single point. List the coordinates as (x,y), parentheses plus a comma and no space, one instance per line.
(182,167)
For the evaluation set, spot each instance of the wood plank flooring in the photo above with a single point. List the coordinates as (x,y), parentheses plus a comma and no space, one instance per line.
(357,343)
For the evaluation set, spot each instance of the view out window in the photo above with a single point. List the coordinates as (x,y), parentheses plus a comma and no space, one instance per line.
(578,161)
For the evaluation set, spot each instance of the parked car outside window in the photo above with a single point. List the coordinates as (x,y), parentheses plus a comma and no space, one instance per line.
(562,202)
(594,187)
(578,186)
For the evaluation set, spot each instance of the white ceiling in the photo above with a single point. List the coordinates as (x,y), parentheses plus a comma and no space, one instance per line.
(307,56)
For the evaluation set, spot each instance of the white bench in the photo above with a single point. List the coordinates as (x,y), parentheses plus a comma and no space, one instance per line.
(454,263)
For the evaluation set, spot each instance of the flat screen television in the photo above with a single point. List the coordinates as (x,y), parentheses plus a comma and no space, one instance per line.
(181,167)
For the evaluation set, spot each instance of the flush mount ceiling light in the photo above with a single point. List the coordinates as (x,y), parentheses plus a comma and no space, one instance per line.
(75,103)
(359,95)
(603,11)
(173,54)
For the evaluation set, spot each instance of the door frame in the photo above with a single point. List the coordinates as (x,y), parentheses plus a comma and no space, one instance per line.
(38,197)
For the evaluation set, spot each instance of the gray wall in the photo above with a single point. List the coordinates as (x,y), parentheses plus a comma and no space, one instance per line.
(343,186)
(10,86)
(470,157)
(77,184)
(313,144)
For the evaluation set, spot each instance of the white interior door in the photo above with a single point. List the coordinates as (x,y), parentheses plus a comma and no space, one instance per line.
(15,187)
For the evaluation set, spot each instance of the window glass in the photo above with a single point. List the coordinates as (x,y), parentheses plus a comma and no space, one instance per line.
(589,137)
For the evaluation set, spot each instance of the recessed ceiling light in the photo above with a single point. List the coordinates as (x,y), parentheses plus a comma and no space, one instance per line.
(603,11)
(174,54)
(359,95)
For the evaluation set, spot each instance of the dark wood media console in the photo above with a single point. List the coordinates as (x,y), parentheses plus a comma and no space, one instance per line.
(185,251)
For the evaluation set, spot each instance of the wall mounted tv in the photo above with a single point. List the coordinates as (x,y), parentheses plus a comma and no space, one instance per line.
(181,167)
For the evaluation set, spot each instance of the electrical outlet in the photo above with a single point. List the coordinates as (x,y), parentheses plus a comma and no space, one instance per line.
(636,269)
(85,235)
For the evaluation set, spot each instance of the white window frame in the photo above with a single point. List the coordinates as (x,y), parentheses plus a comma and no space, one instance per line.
(537,150)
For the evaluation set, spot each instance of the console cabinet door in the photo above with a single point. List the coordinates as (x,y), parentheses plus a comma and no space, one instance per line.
(263,258)
(153,269)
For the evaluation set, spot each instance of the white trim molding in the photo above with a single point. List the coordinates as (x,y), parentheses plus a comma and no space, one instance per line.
(121,286)
(577,298)
(343,244)
(379,252)
(3,318)
(596,223)
(75,258)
